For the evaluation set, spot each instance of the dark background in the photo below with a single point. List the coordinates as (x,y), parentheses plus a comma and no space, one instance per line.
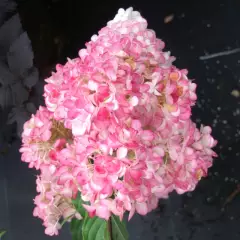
(55,30)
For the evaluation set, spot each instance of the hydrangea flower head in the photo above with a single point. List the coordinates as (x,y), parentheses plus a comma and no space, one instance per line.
(116,128)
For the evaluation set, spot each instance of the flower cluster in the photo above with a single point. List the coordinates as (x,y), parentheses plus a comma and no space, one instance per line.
(116,128)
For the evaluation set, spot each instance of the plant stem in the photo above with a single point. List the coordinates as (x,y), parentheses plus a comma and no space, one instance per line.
(232,196)
(110,228)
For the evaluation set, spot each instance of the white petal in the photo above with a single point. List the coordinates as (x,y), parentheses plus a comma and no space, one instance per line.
(122,152)
(134,101)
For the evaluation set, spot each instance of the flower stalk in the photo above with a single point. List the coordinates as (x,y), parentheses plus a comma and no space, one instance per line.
(110,228)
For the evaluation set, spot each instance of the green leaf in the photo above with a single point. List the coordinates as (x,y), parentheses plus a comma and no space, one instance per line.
(76,224)
(95,229)
(76,229)
(78,205)
(119,230)
(107,234)
(2,232)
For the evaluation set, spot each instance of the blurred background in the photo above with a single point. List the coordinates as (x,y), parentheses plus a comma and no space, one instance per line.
(203,35)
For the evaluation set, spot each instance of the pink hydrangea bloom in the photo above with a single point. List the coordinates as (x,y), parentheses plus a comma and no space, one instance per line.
(116,127)
(53,203)
(35,136)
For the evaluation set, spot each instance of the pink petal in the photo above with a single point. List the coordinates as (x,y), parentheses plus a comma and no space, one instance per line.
(83,53)
(103,212)
(51,230)
(46,135)
(189,151)
(52,169)
(142,208)
(100,171)
(91,210)
(70,212)
(135,174)
(38,122)
(67,192)
(68,103)
(92,85)
(159,151)
(147,135)
(197,145)
(131,213)
(80,126)
(206,130)
(207,141)
(80,102)
(60,112)
(136,124)
(173,154)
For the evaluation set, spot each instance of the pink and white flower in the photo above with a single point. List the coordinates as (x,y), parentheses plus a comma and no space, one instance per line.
(116,128)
